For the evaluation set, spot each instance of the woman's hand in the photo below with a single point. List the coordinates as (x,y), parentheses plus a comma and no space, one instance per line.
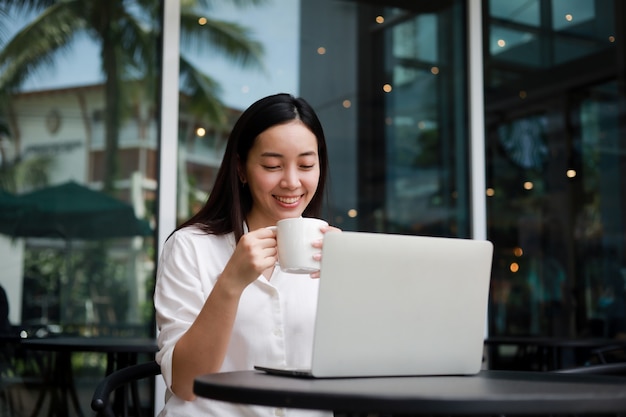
(255,253)
(319,244)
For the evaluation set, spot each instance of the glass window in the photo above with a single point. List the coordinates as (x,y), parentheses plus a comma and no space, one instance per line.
(555,167)
(386,84)
(234,50)
(573,15)
(78,147)
(523,12)
(425,166)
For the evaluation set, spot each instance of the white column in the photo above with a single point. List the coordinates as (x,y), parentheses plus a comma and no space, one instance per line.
(168,139)
(477,120)
(477,124)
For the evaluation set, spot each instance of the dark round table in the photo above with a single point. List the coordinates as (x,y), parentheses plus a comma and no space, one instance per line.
(488,393)
(57,373)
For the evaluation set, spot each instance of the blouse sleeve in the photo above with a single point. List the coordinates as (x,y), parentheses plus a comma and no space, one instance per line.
(178,297)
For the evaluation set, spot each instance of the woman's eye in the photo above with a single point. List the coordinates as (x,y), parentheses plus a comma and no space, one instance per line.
(271,167)
(307,166)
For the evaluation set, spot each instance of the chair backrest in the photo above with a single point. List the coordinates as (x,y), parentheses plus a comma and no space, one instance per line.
(122,378)
(617,368)
(609,354)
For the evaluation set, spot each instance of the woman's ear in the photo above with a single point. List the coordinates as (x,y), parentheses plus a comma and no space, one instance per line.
(241,172)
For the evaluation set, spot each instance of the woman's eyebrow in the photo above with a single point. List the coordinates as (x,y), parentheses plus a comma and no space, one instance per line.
(271,155)
(279,155)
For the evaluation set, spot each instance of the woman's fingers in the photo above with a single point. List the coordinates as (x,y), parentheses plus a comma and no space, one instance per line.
(319,244)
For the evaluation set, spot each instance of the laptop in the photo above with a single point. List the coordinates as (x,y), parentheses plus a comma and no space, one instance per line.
(399,305)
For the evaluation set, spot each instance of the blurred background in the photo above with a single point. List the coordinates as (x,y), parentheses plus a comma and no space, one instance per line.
(497,119)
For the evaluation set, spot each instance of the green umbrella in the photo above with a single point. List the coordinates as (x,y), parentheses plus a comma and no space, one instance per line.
(71,211)
(11,204)
(12,209)
(68,211)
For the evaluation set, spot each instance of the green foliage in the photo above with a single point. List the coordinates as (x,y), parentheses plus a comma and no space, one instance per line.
(128,34)
(18,175)
(69,275)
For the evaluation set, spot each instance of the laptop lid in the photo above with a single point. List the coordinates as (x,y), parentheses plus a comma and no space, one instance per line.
(401,305)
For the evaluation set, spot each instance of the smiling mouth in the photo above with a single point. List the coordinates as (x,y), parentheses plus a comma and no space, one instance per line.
(288,200)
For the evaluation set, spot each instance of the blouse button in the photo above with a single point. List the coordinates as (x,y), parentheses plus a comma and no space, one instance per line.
(279,412)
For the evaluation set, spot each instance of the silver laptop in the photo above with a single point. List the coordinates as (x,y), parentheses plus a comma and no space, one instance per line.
(394,305)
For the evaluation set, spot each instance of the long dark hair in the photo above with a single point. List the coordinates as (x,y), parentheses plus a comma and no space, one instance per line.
(229,203)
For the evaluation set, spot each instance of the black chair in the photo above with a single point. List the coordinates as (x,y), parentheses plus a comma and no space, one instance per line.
(608,354)
(122,382)
(616,368)
(12,365)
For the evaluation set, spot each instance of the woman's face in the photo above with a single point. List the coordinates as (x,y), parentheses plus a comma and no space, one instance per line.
(282,172)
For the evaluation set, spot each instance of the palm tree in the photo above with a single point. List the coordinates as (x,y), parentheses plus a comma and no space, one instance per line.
(15,172)
(3,15)
(127,32)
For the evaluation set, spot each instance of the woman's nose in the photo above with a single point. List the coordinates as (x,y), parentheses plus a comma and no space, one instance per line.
(290,180)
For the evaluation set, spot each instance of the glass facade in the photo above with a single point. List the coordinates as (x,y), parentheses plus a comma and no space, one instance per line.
(554,104)
(389,80)
(393,103)
(78,152)
(79,146)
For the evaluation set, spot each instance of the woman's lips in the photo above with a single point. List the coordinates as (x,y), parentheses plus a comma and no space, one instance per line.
(288,200)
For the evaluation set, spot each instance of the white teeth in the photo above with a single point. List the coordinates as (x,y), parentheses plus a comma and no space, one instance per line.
(287,200)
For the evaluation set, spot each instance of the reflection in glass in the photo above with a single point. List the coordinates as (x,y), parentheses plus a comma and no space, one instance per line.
(100,133)
(506,44)
(524,12)
(225,78)
(410,176)
(554,169)
(78,113)
(568,14)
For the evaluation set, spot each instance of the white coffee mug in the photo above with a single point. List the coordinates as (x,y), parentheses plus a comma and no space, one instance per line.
(295,237)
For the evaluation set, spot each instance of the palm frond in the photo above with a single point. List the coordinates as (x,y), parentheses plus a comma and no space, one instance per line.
(3,30)
(36,44)
(201,94)
(25,173)
(138,42)
(229,39)
(27,6)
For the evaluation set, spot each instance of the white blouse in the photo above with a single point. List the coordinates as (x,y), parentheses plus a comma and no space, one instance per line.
(274,322)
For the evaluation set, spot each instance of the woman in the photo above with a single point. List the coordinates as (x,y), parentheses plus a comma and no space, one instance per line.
(221,303)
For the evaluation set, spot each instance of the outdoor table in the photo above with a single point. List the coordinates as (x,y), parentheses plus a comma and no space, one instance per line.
(487,393)
(58,375)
